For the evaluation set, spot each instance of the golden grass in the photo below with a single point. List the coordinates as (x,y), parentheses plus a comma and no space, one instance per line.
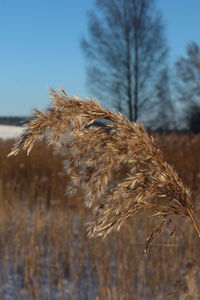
(44,250)
(118,166)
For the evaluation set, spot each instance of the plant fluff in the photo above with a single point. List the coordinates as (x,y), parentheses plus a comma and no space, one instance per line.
(118,166)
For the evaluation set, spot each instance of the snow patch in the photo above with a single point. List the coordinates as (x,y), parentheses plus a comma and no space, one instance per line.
(10,132)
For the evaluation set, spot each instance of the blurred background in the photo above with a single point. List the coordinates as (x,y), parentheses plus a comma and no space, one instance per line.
(139,57)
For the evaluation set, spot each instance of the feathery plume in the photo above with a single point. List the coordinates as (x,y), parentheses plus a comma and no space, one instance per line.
(119,166)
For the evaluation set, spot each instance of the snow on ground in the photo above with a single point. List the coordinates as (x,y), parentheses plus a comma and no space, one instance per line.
(10,132)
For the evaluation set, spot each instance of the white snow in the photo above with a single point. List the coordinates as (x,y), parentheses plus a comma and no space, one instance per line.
(10,132)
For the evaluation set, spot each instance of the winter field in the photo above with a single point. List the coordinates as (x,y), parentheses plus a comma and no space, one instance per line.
(44,249)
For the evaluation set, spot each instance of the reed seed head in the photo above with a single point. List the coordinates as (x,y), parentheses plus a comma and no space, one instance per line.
(118,165)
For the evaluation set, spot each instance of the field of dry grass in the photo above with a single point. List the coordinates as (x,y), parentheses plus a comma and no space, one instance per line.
(45,252)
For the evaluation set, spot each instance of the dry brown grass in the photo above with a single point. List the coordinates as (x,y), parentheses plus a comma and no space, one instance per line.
(119,168)
(44,250)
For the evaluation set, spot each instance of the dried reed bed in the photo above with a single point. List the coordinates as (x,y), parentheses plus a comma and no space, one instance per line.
(176,149)
(44,250)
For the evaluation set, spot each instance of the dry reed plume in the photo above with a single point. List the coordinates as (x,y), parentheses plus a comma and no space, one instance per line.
(118,166)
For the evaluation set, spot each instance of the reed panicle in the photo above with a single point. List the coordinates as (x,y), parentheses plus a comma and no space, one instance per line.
(118,165)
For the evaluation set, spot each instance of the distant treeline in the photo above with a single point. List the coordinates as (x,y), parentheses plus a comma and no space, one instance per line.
(17,121)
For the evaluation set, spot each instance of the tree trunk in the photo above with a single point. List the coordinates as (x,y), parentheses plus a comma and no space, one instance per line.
(129,79)
(136,75)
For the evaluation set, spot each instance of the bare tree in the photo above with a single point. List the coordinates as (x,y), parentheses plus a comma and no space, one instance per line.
(126,50)
(164,118)
(188,84)
(188,73)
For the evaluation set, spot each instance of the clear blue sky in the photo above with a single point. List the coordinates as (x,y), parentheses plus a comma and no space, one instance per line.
(40,47)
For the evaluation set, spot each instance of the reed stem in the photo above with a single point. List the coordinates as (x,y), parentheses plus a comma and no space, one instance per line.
(194,222)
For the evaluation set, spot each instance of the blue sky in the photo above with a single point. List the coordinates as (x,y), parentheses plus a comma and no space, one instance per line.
(40,47)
